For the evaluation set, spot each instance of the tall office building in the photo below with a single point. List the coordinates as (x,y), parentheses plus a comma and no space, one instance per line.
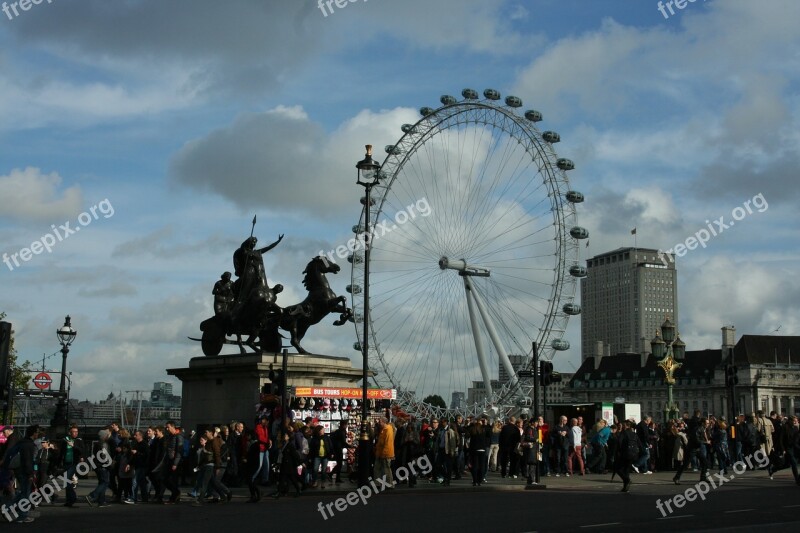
(517,362)
(625,297)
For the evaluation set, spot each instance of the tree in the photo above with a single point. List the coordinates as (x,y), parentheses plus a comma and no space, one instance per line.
(20,374)
(435,400)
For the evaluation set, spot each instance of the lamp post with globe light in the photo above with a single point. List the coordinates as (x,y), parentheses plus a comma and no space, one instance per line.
(367,176)
(669,350)
(66,335)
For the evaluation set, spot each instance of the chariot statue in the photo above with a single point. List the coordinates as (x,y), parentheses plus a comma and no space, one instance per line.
(248,306)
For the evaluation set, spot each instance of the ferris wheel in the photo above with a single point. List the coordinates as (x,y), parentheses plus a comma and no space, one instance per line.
(474,256)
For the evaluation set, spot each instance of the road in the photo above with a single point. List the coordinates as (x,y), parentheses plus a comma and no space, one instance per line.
(584,504)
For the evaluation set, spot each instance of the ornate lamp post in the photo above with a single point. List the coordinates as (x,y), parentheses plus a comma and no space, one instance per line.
(669,351)
(367,177)
(66,335)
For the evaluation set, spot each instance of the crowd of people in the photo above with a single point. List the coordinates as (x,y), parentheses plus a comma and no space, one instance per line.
(293,456)
(696,443)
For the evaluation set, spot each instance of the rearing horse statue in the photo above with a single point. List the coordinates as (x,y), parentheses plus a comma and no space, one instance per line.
(321,300)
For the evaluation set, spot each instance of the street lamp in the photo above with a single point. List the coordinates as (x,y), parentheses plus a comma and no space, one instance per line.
(669,352)
(66,335)
(367,176)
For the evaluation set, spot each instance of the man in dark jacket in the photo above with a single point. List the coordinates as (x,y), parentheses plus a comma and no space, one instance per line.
(174,451)
(560,438)
(791,443)
(509,438)
(24,474)
(140,460)
(625,459)
(642,432)
(156,461)
(208,469)
(71,453)
(339,440)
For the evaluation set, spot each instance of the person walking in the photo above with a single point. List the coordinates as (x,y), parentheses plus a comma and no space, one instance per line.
(628,451)
(71,453)
(264,444)
(509,438)
(321,451)
(25,449)
(139,462)
(289,460)
(173,447)
(479,438)
(575,451)
(340,447)
(494,446)
(384,451)
(98,495)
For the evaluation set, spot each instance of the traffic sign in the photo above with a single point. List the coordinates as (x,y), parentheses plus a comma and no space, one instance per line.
(525,374)
(42,380)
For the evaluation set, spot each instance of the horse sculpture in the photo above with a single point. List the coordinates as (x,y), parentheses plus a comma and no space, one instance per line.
(259,317)
(321,301)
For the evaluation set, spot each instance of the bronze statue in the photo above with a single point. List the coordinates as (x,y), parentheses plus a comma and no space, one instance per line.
(248,264)
(248,306)
(223,294)
(321,301)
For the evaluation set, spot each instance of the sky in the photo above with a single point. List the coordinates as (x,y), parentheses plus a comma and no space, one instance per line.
(160,128)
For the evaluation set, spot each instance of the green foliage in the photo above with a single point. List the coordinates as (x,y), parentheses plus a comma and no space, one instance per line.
(20,374)
(436,400)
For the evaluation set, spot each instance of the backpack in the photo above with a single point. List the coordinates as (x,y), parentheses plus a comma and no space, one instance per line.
(632,448)
(16,461)
(13,458)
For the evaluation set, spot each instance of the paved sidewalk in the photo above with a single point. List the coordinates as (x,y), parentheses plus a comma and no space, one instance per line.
(494,482)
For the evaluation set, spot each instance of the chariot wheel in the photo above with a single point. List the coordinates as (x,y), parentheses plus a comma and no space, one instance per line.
(213,337)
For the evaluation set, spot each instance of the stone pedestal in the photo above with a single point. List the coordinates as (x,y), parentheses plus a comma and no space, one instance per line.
(223,388)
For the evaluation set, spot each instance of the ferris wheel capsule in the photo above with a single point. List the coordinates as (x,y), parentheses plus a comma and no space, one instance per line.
(533,115)
(574,196)
(578,271)
(551,137)
(560,345)
(579,232)
(565,164)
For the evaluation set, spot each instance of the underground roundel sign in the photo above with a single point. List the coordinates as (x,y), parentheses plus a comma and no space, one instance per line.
(42,380)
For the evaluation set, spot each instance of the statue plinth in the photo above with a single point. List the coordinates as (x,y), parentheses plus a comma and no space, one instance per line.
(223,388)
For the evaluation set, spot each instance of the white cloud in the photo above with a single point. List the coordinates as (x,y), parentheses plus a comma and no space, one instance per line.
(28,194)
(280,159)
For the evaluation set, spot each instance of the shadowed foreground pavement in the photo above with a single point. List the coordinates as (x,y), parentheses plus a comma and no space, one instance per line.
(589,503)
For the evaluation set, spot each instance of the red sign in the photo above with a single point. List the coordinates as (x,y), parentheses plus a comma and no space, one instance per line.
(42,381)
(334,392)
